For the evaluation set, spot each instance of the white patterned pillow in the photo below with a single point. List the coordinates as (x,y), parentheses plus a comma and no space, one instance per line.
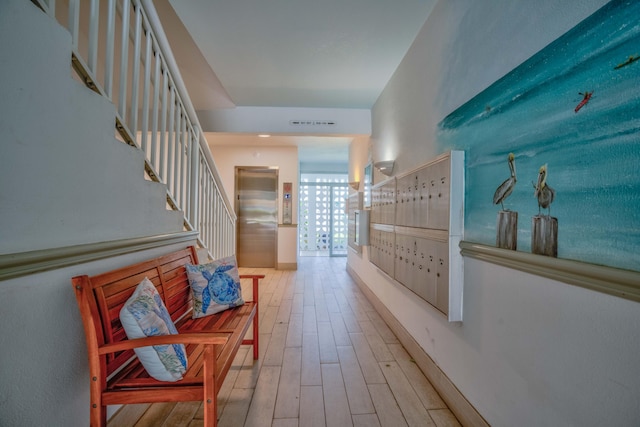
(145,315)
(215,286)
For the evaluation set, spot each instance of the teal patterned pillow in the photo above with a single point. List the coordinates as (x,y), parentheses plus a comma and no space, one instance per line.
(145,315)
(215,286)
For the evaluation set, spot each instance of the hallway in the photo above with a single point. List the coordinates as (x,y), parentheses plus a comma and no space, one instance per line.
(326,359)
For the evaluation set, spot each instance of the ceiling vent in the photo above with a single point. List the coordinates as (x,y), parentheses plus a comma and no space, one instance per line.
(312,123)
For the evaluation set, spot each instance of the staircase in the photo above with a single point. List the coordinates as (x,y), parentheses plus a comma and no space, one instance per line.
(73,180)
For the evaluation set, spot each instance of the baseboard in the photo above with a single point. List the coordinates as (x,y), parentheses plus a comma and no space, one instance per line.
(457,403)
(287,266)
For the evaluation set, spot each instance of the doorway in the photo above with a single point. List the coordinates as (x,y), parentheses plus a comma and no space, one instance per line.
(322,217)
(257,210)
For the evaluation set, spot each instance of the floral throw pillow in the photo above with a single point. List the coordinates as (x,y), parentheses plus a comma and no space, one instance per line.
(144,315)
(215,286)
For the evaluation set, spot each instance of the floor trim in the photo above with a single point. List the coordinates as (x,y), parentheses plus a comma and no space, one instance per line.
(467,415)
(287,266)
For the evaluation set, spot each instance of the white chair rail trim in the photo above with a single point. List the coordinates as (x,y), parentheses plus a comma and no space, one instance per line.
(26,263)
(609,280)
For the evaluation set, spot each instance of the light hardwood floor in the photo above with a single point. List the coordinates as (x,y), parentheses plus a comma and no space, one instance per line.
(326,359)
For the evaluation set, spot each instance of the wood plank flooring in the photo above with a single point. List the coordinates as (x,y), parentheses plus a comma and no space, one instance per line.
(326,359)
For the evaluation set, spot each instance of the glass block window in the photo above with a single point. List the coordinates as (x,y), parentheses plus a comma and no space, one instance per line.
(323,221)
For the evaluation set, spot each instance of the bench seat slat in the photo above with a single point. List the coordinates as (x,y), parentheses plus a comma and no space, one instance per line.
(154,395)
(241,317)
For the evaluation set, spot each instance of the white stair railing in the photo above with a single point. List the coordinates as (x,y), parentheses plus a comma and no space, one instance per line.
(121,52)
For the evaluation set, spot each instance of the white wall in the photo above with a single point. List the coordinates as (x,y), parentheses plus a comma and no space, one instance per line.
(64,180)
(286,160)
(531,351)
(45,373)
(358,159)
(278,120)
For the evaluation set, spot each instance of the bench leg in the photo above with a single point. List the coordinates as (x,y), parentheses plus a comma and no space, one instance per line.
(210,403)
(97,411)
(98,415)
(256,330)
(256,334)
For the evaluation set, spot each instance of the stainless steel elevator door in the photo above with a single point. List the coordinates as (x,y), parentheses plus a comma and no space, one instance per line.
(256,207)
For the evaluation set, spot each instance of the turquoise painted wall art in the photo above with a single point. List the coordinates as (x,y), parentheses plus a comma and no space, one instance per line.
(575,107)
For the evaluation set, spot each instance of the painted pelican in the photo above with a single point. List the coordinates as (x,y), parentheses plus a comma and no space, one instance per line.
(543,192)
(506,187)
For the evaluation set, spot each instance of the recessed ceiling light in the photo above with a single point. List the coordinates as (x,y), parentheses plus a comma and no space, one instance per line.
(264,135)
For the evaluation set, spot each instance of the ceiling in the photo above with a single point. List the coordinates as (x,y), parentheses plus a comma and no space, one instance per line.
(336,54)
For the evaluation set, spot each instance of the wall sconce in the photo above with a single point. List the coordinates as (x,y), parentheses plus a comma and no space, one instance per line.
(385,167)
(355,185)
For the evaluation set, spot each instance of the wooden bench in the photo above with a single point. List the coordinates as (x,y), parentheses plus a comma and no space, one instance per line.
(116,375)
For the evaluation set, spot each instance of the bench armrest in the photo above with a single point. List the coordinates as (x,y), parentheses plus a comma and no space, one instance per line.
(255,278)
(188,338)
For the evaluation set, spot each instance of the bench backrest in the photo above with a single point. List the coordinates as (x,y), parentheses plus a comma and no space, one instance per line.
(101,298)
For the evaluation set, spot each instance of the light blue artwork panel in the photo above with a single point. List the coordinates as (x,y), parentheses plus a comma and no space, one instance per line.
(575,107)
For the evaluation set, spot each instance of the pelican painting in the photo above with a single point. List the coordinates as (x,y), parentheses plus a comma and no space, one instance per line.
(543,192)
(505,189)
